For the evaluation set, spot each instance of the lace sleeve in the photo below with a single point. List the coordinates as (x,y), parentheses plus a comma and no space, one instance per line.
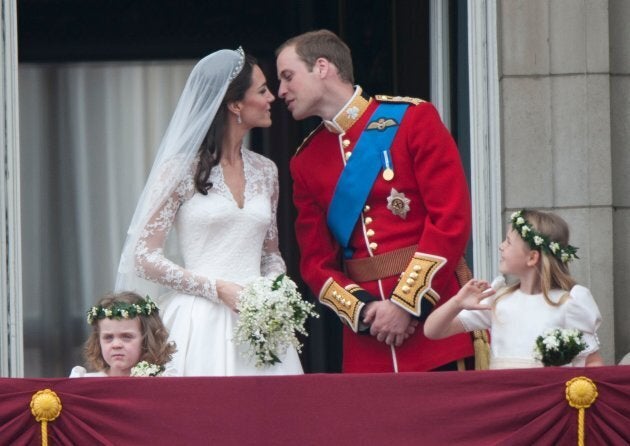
(150,262)
(271,263)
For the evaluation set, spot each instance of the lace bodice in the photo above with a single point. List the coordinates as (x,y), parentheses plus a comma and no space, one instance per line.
(217,239)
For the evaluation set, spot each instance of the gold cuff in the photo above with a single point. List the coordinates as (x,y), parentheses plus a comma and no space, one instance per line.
(415,283)
(342,302)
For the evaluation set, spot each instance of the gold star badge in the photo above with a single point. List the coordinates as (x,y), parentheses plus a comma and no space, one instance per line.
(398,203)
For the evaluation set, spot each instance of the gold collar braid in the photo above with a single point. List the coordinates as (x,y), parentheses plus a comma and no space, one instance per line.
(350,113)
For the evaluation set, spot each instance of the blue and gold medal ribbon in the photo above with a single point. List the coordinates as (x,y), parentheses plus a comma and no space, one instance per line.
(370,155)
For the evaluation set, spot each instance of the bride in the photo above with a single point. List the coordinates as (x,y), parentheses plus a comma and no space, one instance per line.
(222,199)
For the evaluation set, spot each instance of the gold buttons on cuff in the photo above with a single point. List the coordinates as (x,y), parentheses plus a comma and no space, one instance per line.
(410,281)
(405,289)
(368,220)
(373,246)
(417,268)
(413,275)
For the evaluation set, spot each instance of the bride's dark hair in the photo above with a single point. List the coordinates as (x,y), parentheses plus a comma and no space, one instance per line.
(210,149)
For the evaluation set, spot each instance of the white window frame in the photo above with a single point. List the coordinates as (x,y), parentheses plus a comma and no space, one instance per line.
(485,138)
(11,342)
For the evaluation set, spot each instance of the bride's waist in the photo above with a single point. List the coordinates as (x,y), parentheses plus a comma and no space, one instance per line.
(236,273)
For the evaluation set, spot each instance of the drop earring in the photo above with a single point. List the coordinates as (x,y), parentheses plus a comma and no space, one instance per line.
(238,118)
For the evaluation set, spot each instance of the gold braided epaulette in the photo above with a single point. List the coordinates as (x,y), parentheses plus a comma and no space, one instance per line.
(405,99)
(309,137)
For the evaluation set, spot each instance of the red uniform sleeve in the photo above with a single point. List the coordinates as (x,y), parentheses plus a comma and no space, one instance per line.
(443,190)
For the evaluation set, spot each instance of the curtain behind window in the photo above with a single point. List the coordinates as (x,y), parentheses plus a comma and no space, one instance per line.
(88,134)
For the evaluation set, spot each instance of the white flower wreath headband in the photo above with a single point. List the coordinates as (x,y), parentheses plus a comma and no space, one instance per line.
(122,310)
(539,241)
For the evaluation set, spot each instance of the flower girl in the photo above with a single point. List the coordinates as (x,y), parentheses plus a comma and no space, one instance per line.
(128,339)
(520,317)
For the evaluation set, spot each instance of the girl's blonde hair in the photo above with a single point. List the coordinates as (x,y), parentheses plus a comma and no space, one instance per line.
(155,346)
(553,273)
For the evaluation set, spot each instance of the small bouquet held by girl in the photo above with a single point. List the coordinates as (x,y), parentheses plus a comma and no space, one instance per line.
(271,314)
(559,346)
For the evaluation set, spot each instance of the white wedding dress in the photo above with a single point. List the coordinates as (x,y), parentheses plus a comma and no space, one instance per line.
(217,240)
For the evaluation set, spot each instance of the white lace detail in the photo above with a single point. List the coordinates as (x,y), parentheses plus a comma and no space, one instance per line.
(217,239)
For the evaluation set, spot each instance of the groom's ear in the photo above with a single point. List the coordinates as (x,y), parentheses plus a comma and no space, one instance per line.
(322,65)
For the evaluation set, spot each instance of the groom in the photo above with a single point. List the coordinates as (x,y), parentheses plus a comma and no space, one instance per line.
(383,209)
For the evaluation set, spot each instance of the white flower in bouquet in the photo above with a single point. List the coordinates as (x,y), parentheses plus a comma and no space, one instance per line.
(144,368)
(271,313)
(558,346)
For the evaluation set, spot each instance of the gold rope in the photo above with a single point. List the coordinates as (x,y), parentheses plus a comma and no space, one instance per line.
(45,407)
(581,392)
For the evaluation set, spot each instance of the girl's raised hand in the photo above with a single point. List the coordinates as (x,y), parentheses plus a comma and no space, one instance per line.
(471,294)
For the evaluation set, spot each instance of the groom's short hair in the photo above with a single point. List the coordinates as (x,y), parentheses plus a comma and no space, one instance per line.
(312,45)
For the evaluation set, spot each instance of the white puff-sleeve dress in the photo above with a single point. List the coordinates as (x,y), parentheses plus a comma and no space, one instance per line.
(519,318)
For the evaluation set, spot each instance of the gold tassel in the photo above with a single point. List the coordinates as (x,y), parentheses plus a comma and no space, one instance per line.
(581,392)
(45,407)
(481,346)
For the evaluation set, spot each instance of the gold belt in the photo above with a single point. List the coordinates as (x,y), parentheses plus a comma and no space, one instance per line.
(388,264)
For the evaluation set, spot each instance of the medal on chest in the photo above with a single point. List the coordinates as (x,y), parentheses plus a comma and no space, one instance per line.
(398,203)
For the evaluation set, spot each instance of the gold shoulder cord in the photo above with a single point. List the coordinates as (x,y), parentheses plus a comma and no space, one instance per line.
(399,99)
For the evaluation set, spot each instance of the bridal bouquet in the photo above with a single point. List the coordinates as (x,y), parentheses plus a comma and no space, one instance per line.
(558,346)
(144,368)
(271,312)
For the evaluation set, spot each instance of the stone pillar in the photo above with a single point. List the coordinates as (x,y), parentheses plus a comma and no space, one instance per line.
(620,138)
(555,83)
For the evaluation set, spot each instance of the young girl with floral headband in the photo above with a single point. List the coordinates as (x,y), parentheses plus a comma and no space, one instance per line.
(128,339)
(536,252)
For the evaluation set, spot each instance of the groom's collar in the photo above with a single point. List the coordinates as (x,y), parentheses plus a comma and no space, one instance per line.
(349,113)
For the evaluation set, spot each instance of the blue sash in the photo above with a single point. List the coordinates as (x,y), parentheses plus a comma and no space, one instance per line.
(370,154)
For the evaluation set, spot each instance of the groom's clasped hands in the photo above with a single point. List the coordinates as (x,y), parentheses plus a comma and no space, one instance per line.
(388,322)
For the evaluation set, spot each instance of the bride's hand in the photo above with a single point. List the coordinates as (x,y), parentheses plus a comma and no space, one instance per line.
(228,293)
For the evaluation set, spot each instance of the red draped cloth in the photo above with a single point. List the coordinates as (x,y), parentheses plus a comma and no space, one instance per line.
(507,407)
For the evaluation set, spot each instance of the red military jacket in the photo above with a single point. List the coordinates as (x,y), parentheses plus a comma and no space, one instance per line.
(426,204)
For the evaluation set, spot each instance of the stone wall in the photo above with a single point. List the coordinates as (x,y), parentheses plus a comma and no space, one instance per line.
(565,124)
